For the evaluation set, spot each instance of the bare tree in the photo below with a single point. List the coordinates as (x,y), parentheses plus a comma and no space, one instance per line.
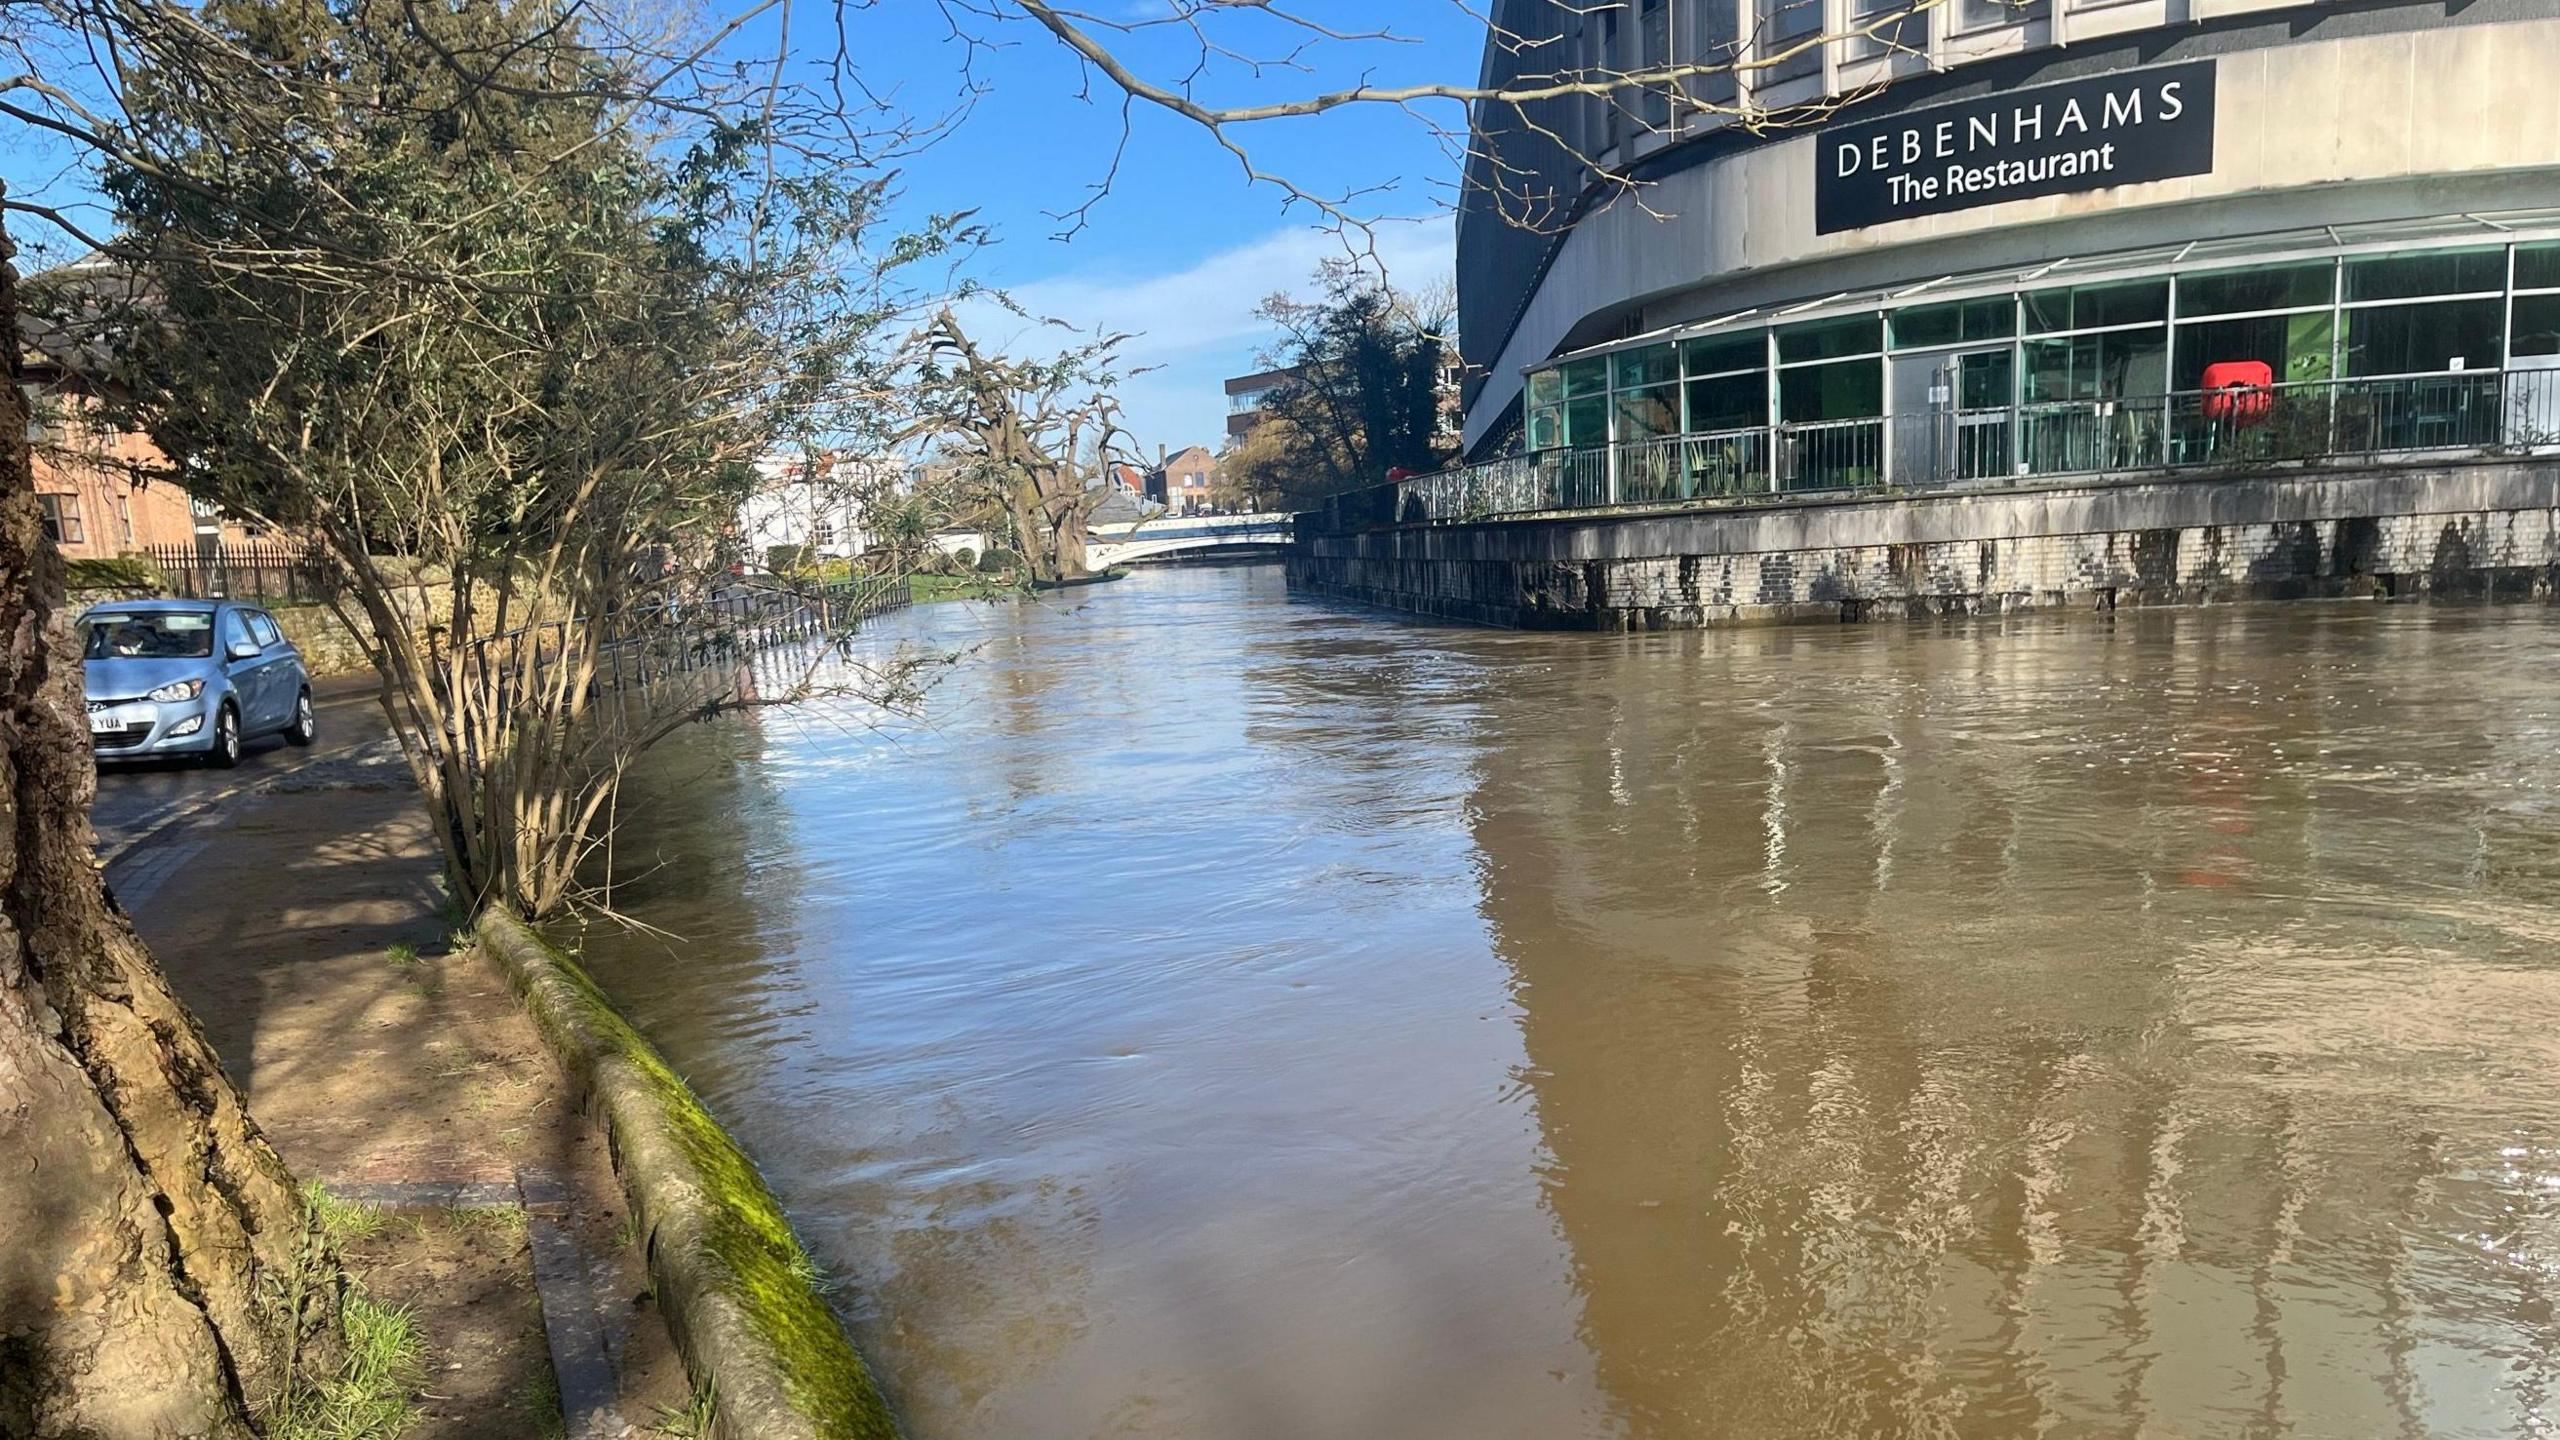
(158,1272)
(1567,82)
(1037,438)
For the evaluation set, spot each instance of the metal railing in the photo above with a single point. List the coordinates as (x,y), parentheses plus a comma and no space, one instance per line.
(666,636)
(277,573)
(2304,422)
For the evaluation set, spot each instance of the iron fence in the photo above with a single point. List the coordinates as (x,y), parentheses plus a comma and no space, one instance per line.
(666,636)
(2307,422)
(274,572)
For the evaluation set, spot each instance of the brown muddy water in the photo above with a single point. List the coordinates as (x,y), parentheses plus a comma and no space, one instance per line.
(1238,1017)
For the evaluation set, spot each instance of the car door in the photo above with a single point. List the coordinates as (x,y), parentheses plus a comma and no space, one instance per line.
(244,663)
(281,669)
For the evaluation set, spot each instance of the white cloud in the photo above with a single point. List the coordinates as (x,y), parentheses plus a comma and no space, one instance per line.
(1196,325)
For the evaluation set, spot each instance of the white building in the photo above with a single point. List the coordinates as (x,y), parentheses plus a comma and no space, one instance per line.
(816,505)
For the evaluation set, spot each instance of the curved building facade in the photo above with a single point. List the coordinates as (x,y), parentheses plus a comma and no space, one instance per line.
(1988,238)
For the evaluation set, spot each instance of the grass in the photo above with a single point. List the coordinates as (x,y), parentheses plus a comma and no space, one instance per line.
(925,589)
(694,1421)
(537,1400)
(501,1220)
(402,956)
(369,1398)
(344,1221)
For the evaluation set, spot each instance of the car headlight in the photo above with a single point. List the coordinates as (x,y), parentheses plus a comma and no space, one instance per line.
(177,690)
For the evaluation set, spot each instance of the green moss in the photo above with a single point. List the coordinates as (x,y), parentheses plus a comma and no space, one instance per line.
(124,572)
(769,1274)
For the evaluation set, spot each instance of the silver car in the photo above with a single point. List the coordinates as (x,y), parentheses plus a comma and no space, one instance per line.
(190,677)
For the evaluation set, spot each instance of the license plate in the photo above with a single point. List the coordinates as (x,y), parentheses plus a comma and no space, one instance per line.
(104,723)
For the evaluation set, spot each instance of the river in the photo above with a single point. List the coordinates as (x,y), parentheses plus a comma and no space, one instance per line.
(1229,1016)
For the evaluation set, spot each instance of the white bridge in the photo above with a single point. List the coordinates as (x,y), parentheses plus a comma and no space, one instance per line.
(1145,540)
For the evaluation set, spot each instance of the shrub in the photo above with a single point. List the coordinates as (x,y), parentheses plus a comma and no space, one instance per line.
(965,556)
(124,572)
(784,559)
(997,560)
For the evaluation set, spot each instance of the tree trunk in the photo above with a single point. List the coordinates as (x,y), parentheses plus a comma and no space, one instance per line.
(150,1239)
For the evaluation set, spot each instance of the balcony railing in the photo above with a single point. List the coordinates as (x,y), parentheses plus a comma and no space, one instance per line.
(1944,450)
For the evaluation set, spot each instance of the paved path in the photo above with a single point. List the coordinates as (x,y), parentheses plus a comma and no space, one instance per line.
(294,904)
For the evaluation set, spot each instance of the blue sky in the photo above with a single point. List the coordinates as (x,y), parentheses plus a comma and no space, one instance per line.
(1182,249)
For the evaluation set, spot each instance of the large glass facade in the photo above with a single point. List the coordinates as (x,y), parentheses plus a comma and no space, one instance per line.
(2370,351)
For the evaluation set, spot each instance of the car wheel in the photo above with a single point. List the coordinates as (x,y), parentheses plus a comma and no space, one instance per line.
(226,738)
(305,728)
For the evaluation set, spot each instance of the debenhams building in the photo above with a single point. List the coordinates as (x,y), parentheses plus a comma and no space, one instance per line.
(1992,238)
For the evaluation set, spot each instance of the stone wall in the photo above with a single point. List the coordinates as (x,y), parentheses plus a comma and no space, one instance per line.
(2482,527)
(327,646)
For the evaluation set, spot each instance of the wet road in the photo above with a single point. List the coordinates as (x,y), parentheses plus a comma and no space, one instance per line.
(135,796)
(1238,1017)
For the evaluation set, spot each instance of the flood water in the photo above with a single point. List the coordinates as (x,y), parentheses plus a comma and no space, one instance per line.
(1237,1017)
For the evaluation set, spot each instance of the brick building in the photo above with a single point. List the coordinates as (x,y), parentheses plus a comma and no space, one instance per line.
(1190,475)
(93,479)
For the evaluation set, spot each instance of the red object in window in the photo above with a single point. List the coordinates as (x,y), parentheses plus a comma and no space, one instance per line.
(2237,391)
(1396,473)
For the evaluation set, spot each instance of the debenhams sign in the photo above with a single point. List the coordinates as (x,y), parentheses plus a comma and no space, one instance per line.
(2052,140)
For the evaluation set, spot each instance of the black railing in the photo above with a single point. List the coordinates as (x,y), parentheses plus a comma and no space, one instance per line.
(278,573)
(2512,412)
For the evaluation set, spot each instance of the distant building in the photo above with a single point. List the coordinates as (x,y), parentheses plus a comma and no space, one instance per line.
(93,480)
(1245,397)
(812,505)
(1190,475)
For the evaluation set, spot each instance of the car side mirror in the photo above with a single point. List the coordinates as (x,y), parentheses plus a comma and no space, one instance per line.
(244,650)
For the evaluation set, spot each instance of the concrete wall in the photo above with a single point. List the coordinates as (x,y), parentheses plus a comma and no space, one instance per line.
(2490,527)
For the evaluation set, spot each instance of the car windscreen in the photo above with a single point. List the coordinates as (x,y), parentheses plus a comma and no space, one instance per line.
(161,635)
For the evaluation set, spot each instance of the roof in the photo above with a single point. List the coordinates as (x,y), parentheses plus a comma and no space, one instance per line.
(156,605)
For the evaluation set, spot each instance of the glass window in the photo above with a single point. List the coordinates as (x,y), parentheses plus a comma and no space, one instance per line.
(161,635)
(1717,354)
(1649,365)
(1707,37)
(2418,339)
(1546,387)
(2086,307)
(1643,414)
(264,627)
(1846,390)
(2538,267)
(1586,420)
(2098,367)
(1586,377)
(1788,26)
(2273,287)
(2537,322)
(62,519)
(1983,14)
(1884,27)
(1729,402)
(1983,381)
(2436,272)
(1824,339)
(2294,347)
(235,632)
(1954,323)
(1546,428)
